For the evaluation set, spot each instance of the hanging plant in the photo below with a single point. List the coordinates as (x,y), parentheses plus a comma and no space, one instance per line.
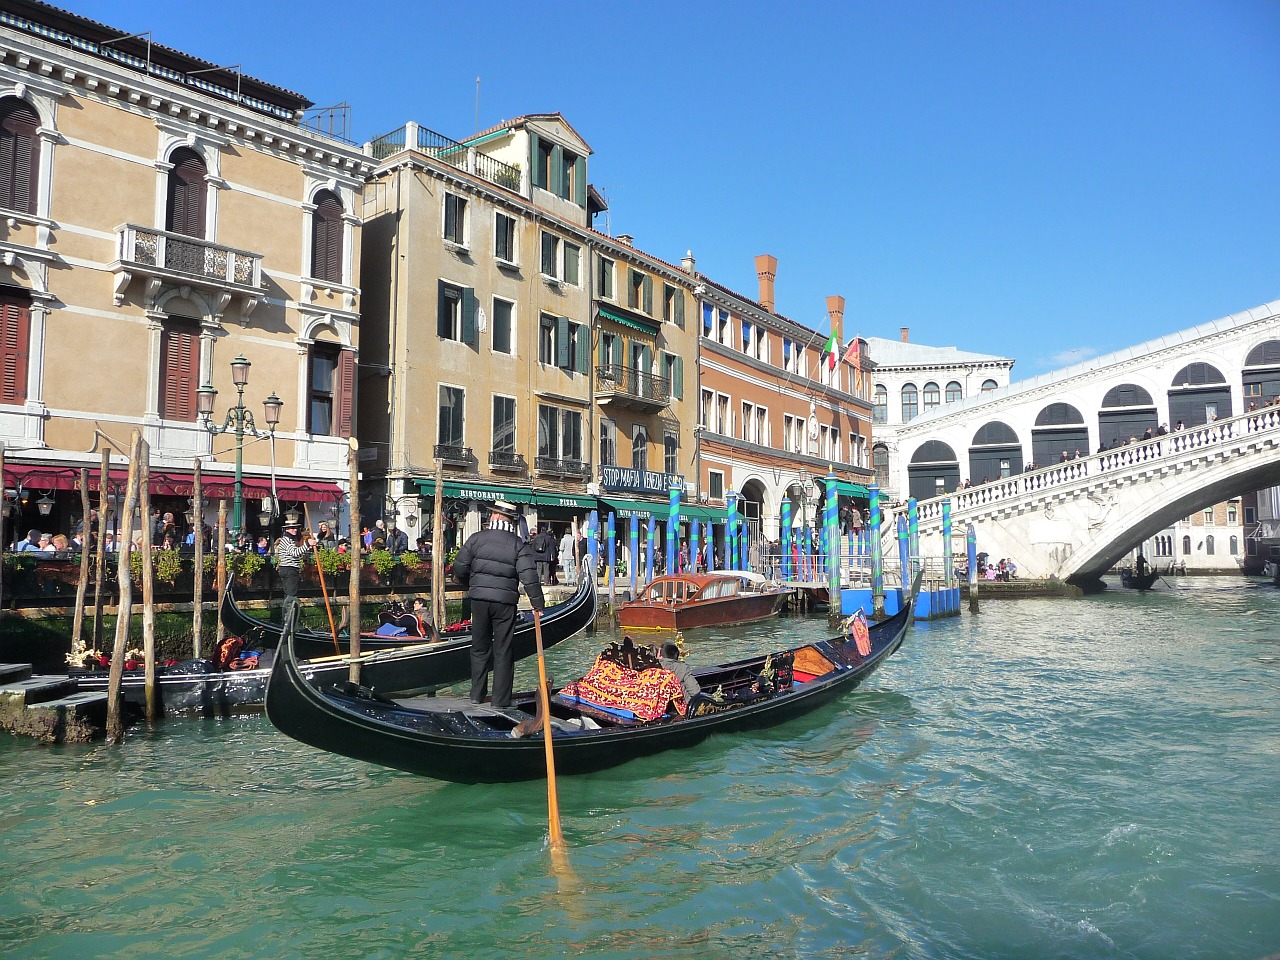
(245,565)
(168,566)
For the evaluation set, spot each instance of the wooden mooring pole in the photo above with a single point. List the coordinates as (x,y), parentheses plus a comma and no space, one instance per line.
(437,551)
(353,587)
(197,558)
(221,576)
(124,609)
(82,582)
(100,551)
(148,582)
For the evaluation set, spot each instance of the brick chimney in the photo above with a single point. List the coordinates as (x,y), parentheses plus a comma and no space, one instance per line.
(626,239)
(767,271)
(835,315)
(905,331)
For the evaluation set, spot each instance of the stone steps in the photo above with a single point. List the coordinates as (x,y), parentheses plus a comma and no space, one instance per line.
(49,708)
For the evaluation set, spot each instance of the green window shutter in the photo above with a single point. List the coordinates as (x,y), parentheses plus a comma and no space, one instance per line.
(539,174)
(469,317)
(604,351)
(646,358)
(442,312)
(580,181)
(562,342)
(583,353)
(617,351)
(679,308)
(648,294)
(557,170)
(677,378)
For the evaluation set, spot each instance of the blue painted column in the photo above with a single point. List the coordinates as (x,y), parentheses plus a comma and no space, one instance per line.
(832,526)
(673,528)
(785,539)
(947,571)
(731,532)
(913,535)
(742,544)
(633,568)
(651,526)
(610,531)
(711,546)
(877,560)
(904,551)
(593,542)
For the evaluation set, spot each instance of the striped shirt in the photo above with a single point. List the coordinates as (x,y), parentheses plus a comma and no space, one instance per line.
(289,552)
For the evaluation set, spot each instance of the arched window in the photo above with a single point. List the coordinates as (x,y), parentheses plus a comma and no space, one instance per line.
(1208,545)
(989,385)
(880,463)
(1234,546)
(640,449)
(932,396)
(184,212)
(954,392)
(910,402)
(19,155)
(326,237)
(1186,546)
(880,405)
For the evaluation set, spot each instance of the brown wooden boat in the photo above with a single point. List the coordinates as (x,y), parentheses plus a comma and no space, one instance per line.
(683,601)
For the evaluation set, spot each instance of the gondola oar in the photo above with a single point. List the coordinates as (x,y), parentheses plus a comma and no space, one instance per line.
(544,697)
(324,592)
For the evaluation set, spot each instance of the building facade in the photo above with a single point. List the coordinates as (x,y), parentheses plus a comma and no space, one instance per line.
(162,217)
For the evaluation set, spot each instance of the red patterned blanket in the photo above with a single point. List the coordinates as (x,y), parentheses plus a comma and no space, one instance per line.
(645,693)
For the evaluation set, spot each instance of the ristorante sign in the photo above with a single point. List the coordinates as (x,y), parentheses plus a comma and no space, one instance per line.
(639,481)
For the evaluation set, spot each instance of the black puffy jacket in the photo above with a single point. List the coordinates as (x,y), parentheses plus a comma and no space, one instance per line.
(493,563)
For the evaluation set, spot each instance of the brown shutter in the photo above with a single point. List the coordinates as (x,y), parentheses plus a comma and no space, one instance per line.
(179,370)
(19,155)
(15,337)
(326,238)
(346,387)
(185,213)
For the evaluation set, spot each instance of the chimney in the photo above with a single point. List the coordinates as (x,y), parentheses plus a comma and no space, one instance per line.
(767,272)
(835,314)
(905,331)
(626,238)
(688,263)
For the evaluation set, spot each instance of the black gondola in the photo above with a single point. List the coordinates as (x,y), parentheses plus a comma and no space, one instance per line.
(406,669)
(1139,581)
(458,741)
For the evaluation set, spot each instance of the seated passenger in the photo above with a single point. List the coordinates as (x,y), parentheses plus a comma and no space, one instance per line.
(670,660)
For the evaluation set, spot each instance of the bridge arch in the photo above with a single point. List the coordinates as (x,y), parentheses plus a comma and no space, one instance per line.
(933,470)
(994,453)
(1198,394)
(1059,429)
(1260,377)
(1127,410)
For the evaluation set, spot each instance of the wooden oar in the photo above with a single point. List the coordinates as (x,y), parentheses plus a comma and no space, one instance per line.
(324,592)
(553,805)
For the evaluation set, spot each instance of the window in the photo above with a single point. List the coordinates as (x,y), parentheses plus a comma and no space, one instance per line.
(563,343)
(450,430)
(15,338)
(1250,515)
(456,318)
(746,338)
(635,289)
(954,392)
(504,238)
(722,327)
(880,464)
(792,433)
(559,433)
(673,370)
(1208,515)
(910,402)
(608,443)
(755,427)
(543,152)
(1253,390)
(670,453)
(19,155)
(572,258)
(1208,545)
(1186,546)
(880,405)
(455,219)
(330,389)
(604,277)
(502,330)
(179,368)
(326,237)
(932,396)
(724,421)
(550,255)
(989,385)
(504,424)
(1233,514)
(705,406)
(640,448)
(1234,546)
(184,211)
(715,484)
(547,339)
(673,305)
(708,320)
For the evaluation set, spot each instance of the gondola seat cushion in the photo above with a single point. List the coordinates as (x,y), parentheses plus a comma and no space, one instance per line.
(646,694)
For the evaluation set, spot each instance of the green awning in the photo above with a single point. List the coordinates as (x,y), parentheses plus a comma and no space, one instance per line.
(698,512)
(488,492)
(625,509)
(632,322)
(846,489)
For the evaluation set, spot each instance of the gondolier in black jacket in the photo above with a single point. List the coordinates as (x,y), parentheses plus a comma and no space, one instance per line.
(491,565)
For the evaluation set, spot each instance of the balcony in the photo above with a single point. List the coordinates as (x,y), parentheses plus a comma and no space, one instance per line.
(454,456)
(507,461)
(462,156)
(163,257)
(560,467)
(626,388)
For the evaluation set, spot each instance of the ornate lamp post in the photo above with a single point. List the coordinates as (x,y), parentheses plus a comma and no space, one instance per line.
(239,421)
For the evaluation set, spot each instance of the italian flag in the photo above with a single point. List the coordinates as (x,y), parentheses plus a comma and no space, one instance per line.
(832,351)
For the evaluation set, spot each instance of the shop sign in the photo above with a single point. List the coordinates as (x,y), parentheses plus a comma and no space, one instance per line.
(640,481)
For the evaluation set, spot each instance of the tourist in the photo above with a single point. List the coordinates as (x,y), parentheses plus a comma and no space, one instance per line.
(397,540)
(492,565)
(670,660)
(325,538)
(566,556)
(544,555)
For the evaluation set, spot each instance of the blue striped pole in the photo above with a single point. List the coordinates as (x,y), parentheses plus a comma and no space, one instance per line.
(904,552)
(650,545)
(593,543)
(633,567)
(731,532)
(833,540)
(877,560)
(947,572)
(742,544)
(611,532)
(673,527)
(711,546)
(913,534)
(971,544)
(785,539)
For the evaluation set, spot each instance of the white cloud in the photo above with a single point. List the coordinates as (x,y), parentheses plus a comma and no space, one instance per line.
(1075,355)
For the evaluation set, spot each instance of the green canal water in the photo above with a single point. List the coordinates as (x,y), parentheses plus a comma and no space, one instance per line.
(1049,778)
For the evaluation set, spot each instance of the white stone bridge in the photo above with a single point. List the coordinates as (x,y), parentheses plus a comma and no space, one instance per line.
(1075,520)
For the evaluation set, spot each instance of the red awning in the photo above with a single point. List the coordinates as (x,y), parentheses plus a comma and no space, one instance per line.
(217,486)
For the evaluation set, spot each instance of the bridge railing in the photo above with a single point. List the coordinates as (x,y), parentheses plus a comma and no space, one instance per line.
(1168,448)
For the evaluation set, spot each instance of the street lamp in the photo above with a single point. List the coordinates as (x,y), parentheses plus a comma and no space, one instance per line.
(239,421)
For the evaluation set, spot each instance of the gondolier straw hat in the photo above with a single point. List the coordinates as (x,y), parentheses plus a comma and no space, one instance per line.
(292,519)
(504,507)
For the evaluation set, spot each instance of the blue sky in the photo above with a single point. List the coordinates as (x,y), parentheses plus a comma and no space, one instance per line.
(1044,181)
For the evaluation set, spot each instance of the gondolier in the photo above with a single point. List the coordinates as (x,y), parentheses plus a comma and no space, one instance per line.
(491,565)
(290,549)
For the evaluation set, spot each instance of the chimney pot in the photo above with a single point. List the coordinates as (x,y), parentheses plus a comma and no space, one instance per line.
(688,263)
(627,239)
(766,272)
(905,331)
